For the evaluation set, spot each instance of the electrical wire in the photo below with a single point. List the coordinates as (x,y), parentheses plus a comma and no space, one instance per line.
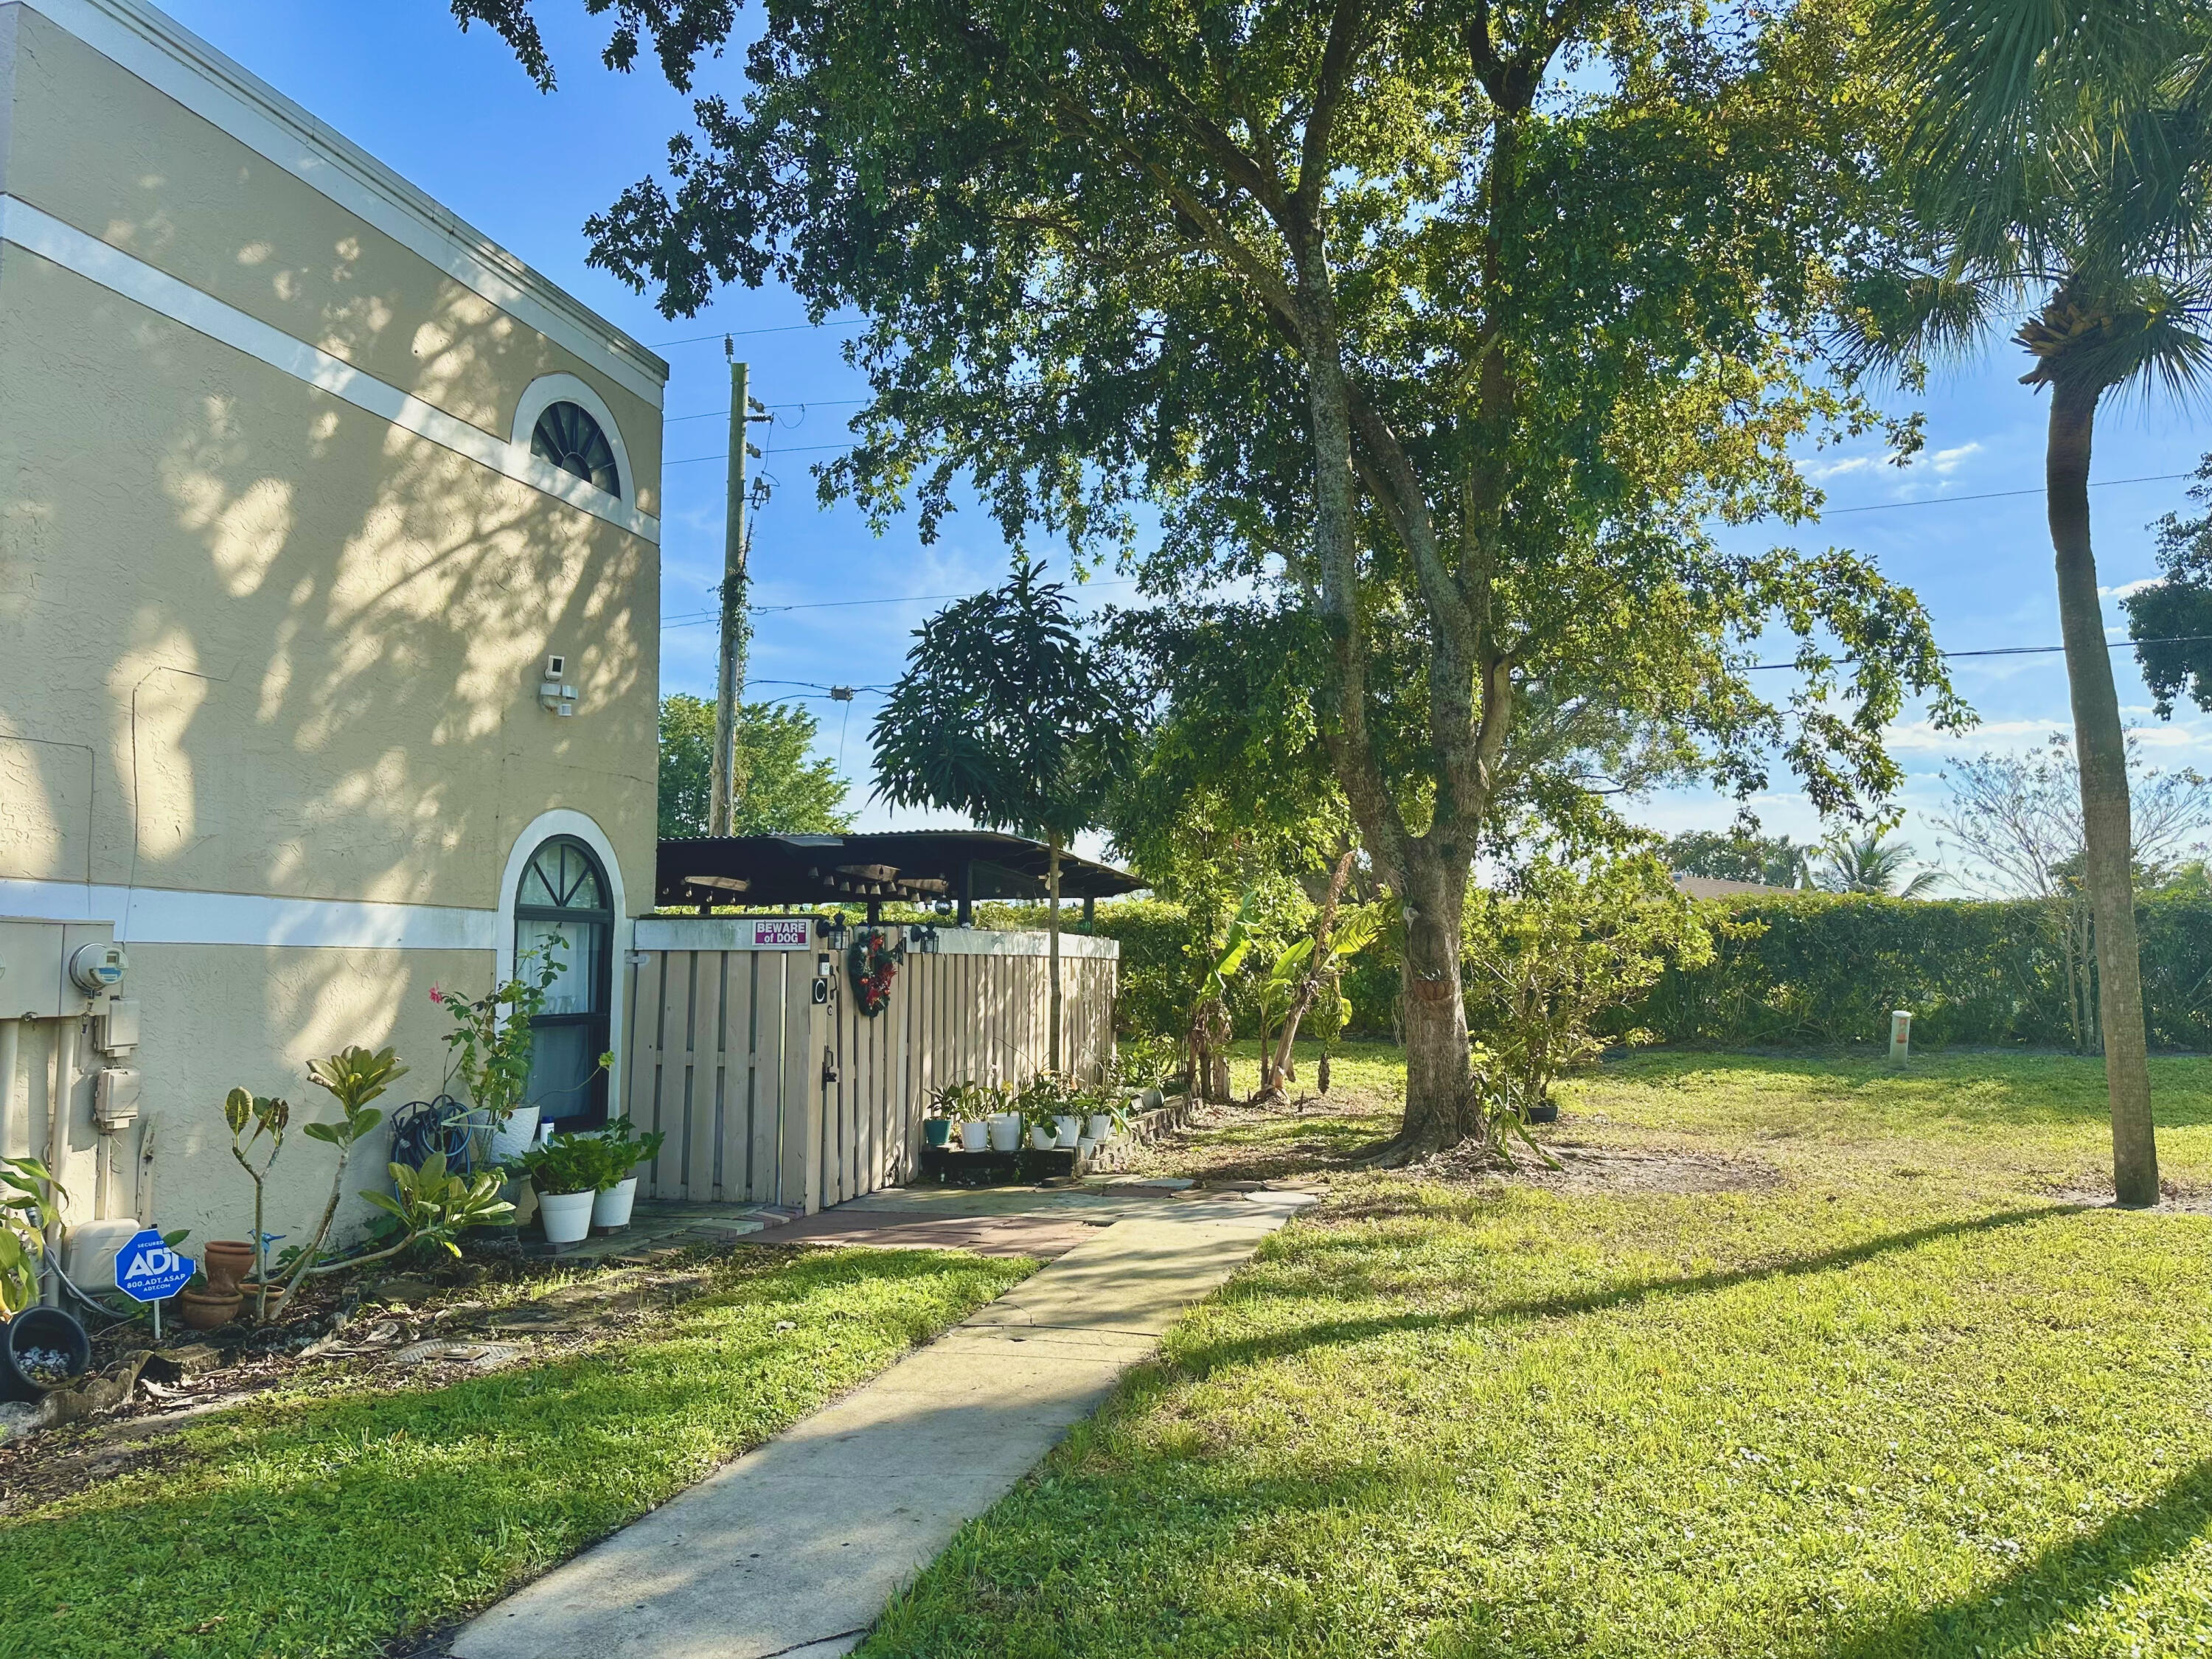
(742,333)
(2016,650)
(1996,494)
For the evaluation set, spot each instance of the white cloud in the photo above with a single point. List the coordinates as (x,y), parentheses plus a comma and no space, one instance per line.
(2126,588)
(1821,471)
(1946,461)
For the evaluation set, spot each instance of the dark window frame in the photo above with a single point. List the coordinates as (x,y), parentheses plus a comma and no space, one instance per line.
(601,1022)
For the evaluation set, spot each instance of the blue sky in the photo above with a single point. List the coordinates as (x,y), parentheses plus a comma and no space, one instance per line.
(455,114)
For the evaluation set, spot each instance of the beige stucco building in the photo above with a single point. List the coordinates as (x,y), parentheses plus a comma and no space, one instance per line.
(302,482)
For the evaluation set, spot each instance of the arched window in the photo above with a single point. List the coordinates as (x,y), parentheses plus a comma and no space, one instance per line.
(567,435)
(562,914)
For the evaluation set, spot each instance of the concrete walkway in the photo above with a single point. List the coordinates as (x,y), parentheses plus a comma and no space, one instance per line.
(793,1550)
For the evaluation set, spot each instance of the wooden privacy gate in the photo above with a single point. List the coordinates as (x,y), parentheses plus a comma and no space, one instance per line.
(767,1096)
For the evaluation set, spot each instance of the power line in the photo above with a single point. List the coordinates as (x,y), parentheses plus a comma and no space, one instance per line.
(782,328)
(803,403)
(2018,650)
(689,619)
(1998,495)
(788,449)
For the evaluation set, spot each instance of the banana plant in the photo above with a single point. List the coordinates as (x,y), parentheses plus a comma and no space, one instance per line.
(30,1197)
(1209,1018)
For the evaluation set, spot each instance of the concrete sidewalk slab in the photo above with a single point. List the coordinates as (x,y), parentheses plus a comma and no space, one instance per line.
(793,1550)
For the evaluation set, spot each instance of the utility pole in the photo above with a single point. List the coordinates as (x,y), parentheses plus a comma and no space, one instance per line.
(737,624)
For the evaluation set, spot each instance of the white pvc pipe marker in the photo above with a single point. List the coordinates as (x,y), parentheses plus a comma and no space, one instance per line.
(1900,1035)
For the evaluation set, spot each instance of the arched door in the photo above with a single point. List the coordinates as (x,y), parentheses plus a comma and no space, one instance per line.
(563,910)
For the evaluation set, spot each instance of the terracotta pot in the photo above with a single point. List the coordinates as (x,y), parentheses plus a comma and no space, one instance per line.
(225,1261)
(204,1310)
(276,1297)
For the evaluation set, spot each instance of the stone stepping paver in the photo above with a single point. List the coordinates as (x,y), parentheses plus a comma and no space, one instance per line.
(793,1550)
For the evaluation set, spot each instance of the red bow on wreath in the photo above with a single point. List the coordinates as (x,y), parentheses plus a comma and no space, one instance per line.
(872,961)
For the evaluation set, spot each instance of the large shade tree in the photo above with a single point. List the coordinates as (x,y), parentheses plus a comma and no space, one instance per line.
(2054,164)
(1460,327)
(779,786)
(1006,712)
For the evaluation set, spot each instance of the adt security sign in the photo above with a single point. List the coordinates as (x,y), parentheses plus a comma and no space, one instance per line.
(147,1270)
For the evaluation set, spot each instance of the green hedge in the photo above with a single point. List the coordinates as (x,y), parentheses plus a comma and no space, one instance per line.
(1810,969)
(1821,969)
(1163,958)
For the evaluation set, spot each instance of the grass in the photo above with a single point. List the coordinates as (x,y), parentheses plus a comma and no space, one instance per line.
(316,1524)
(1898,1402)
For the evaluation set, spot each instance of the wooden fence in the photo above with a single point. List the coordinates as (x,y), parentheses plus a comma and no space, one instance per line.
(768,1097)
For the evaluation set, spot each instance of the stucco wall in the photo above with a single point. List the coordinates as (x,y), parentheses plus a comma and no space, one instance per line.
(267,651)
(303,648)
(188,197)
(219,1017)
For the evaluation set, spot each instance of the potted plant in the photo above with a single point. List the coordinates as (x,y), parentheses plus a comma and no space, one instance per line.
(489,1047)
(938,1116)
(625,1150)
(204,1307)
(1043,1131)
(566,1170)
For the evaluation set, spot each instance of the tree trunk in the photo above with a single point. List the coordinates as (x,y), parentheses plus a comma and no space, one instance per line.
(1309,983)
(1052,882)
(2101,746)
(1436,1105)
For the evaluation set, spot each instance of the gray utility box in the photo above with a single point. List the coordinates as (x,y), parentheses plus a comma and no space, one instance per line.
(35,966)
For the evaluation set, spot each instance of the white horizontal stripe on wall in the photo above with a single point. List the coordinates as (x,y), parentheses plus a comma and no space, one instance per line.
(227,96)
(40,233)
(164,915)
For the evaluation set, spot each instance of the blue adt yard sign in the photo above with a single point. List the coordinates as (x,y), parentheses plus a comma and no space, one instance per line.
(147,1270)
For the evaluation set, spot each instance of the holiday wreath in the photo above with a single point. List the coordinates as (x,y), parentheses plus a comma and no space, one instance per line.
(873,962)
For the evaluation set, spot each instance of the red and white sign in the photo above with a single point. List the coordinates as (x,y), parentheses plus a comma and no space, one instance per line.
(783,933)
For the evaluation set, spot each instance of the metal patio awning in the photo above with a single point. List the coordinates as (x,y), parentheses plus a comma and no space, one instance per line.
(907,867)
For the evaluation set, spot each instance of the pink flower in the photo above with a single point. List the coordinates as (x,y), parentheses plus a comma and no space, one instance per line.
(436,995)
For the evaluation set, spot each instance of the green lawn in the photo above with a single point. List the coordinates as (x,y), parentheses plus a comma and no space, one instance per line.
(1897,1401)
(330,1524)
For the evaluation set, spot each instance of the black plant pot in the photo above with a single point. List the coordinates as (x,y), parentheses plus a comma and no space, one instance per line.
(46,1328)
(1547,1113)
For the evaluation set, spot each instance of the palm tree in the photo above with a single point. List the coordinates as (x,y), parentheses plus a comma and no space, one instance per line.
(1872,863)
(2056,177)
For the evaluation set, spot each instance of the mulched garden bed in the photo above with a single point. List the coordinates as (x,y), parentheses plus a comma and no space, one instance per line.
(412,1329)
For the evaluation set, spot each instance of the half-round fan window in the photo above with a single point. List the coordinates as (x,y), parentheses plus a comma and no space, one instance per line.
(568,436)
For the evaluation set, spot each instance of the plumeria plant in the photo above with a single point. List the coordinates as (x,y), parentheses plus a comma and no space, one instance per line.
(353,1077)
(250,1117)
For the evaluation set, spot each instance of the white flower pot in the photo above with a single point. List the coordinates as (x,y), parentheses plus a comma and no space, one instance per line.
(1083,1149)
(1101,1126)
(512,1138)
(1041,1140)
(1005,1133)
(611,1208)
(567,1216)
(1070,1128)
(975,1137)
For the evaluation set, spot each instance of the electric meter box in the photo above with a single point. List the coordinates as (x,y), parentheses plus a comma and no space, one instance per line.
(35,960)
(115,1098)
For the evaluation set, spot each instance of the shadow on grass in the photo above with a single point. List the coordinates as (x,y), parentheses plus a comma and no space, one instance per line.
(1203,1358)
(2059,1584)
